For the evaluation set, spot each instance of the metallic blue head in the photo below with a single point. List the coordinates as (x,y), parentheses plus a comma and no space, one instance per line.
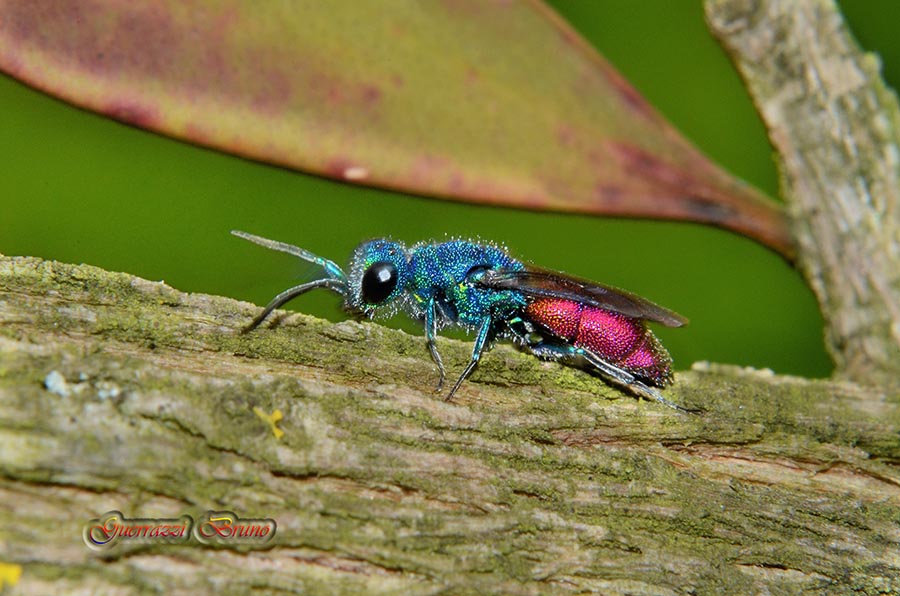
(379,275)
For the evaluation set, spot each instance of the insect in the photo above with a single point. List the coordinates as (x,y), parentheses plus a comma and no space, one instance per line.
(482,288)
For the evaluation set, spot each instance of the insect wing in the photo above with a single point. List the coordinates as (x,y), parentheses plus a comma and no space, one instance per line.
(549,284)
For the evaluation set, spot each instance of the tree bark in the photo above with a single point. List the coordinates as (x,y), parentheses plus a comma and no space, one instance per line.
(836,127)
(121,394)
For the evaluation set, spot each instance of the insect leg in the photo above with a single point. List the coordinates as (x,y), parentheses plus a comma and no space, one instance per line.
(430,335)
(628,379)
(481,340)
(290,294)
(611,371)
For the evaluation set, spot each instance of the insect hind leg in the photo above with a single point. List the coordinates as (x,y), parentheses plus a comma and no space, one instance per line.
(550,351)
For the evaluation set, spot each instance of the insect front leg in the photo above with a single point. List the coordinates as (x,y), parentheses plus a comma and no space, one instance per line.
(430,337)
(485,332)
(611,371)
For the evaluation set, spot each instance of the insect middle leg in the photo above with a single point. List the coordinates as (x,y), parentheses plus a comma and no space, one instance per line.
(430,337)
(485,332)
(611,371)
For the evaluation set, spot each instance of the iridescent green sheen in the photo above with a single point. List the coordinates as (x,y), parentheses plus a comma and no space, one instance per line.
(480,287)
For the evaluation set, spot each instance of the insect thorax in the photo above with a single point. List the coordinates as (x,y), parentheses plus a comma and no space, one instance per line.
(446,271)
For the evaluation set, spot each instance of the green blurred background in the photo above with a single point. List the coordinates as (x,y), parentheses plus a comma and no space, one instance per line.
(79,188)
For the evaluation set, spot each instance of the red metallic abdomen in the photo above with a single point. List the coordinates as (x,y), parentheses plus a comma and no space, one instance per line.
(620,340)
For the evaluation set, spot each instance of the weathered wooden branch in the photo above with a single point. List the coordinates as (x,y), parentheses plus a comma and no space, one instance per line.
(836,127)
(119,393)
(122,394)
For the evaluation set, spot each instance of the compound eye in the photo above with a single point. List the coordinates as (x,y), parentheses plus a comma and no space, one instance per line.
(378,282)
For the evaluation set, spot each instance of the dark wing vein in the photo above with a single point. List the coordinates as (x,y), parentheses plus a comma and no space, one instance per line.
(549,284)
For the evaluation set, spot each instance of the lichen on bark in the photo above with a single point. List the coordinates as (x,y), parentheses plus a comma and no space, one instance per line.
(121,394)
(538,478)
(836,128)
